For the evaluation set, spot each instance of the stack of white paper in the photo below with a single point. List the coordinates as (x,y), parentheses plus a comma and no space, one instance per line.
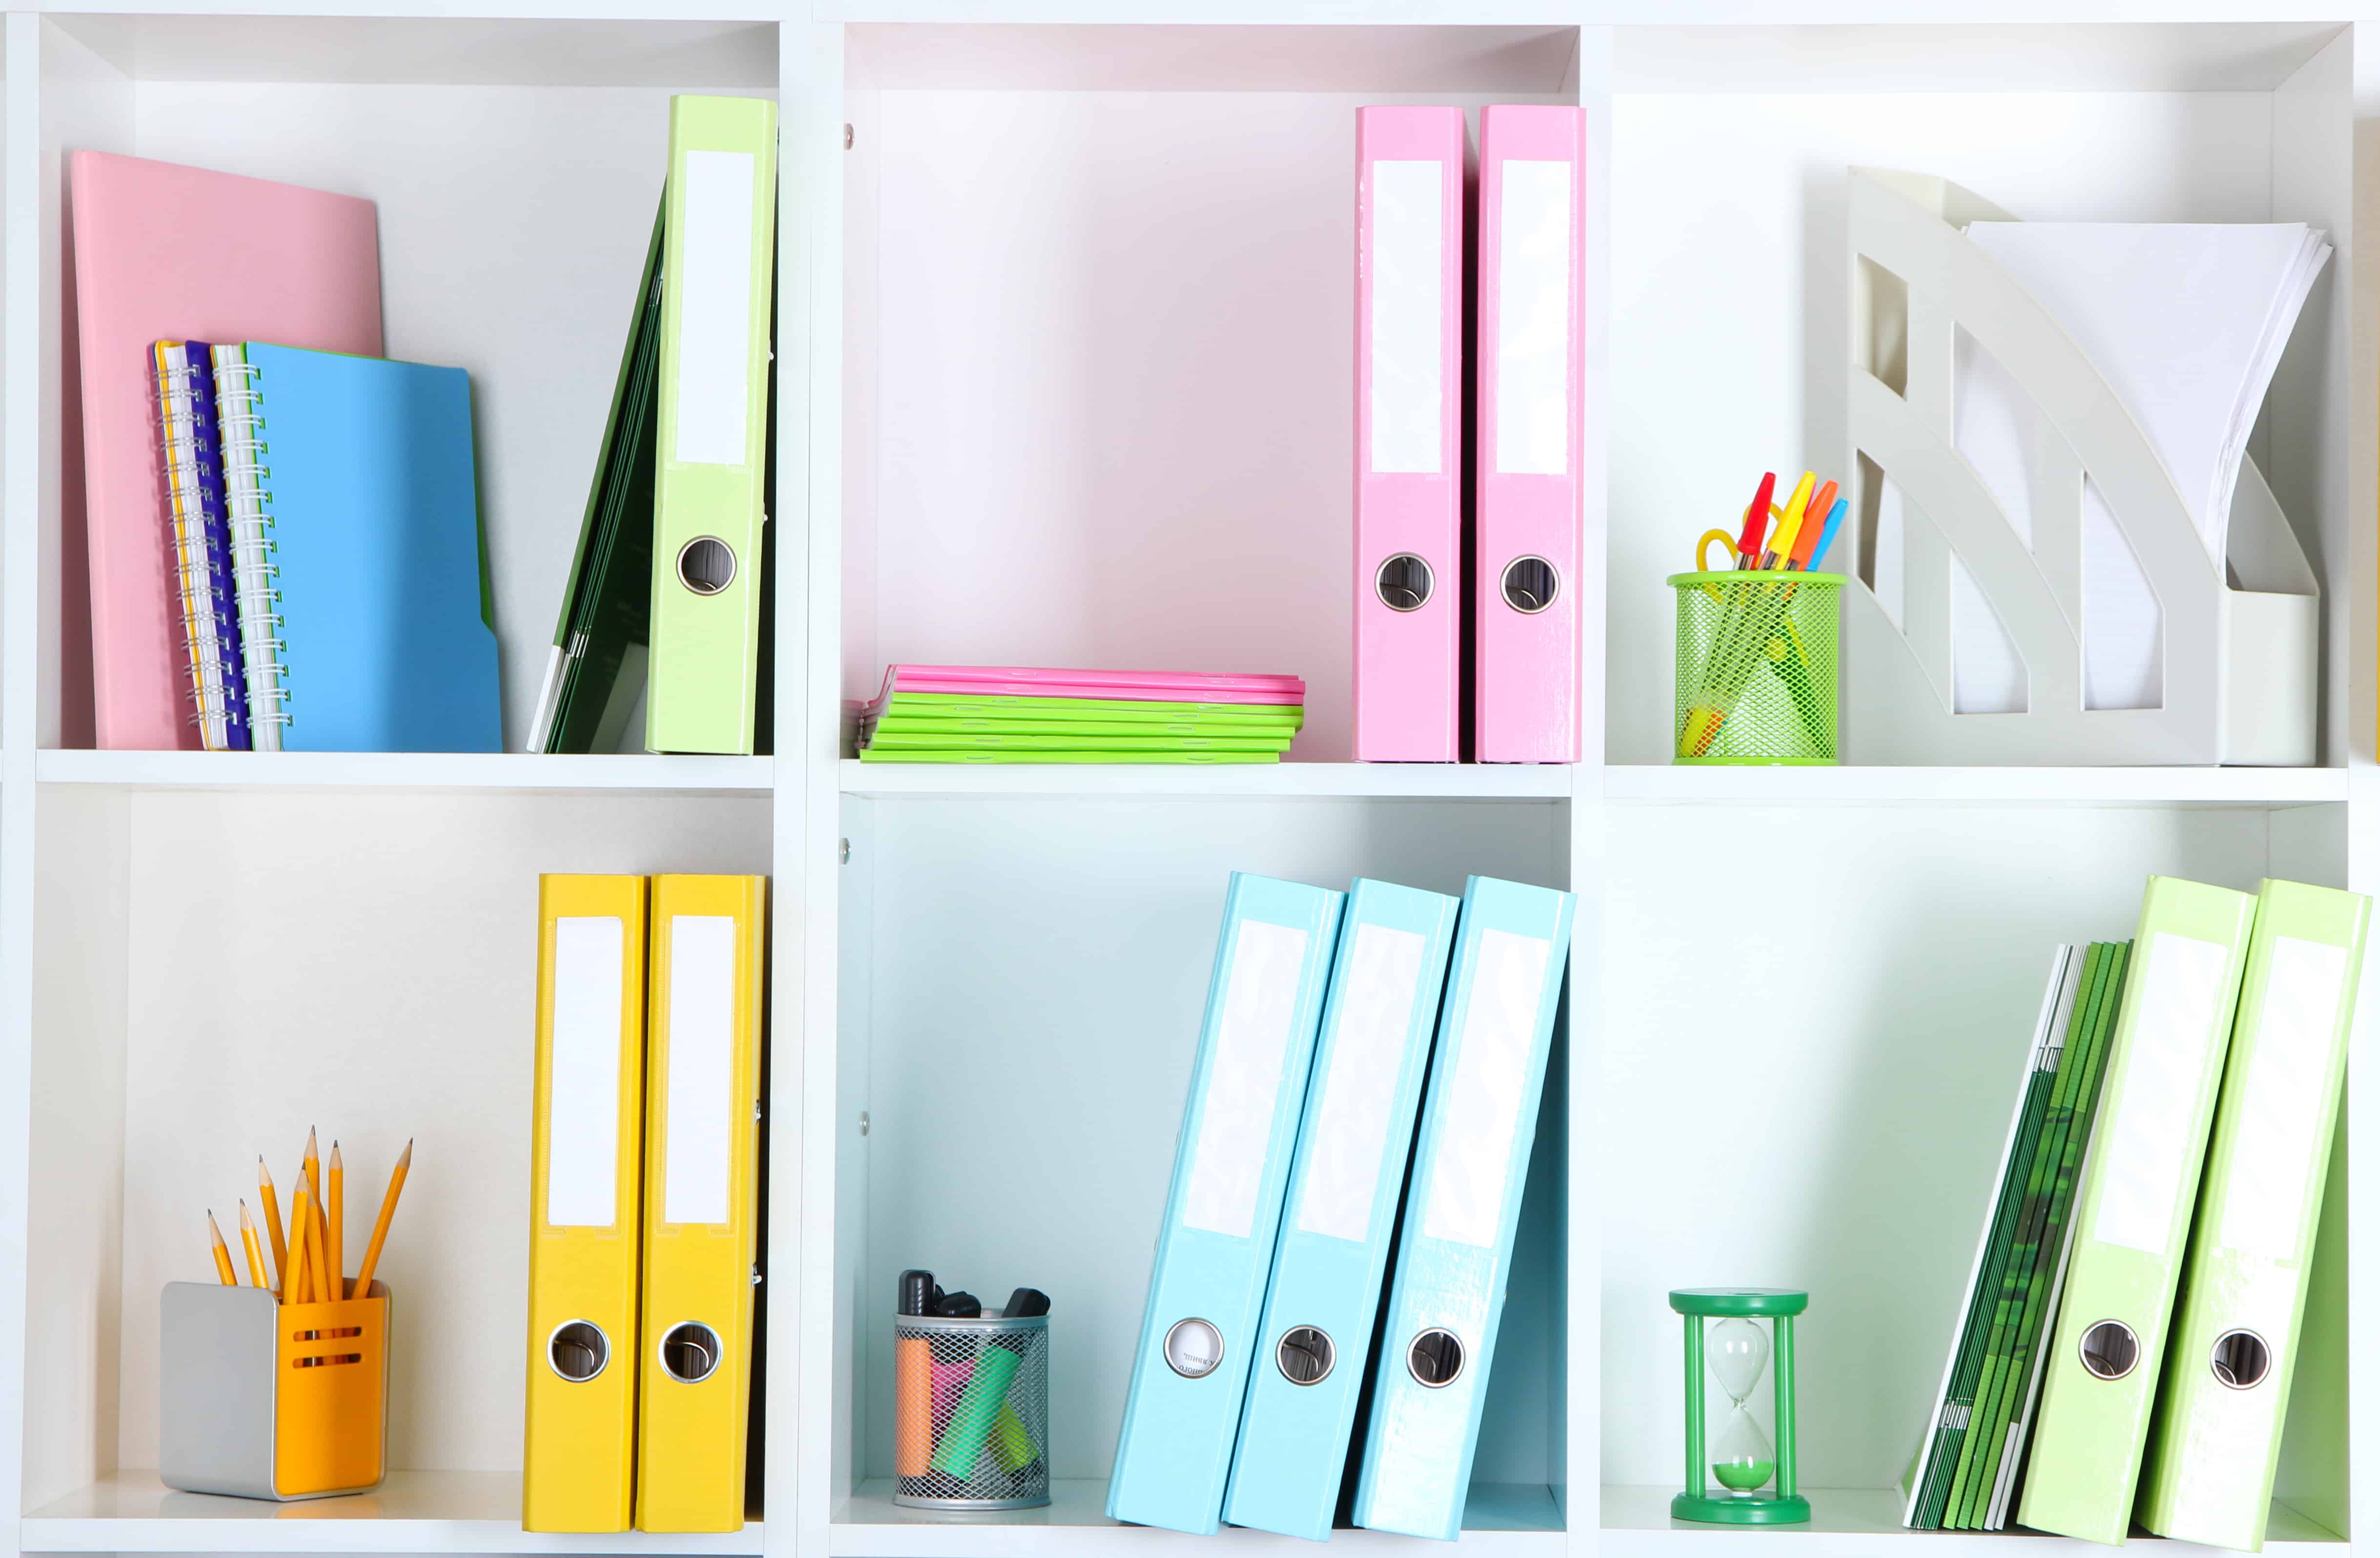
(2187,322)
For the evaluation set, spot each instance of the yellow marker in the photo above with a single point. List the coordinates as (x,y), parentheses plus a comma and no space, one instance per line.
(223,1253)
(271,1198)
(1780,541)
(380,1228)
(298,1289)
(255,1251)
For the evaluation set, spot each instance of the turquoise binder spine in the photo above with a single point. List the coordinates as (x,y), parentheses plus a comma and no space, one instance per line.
(1231,1169)
(1342,1209)
(1454,1250)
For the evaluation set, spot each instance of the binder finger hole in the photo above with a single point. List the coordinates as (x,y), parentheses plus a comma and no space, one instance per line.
(1194,1349)
(1404,583)
(2242,1360)
(1304,1355)
(1435,1359)
(577,1350)
(690,1352)
(706,565)
(2110,1351)
(1530,584)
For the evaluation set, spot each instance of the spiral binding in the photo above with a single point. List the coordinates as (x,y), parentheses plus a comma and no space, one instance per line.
(248,493)
(198,599)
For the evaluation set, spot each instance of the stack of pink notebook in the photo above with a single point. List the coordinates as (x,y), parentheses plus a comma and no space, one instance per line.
(1010,713)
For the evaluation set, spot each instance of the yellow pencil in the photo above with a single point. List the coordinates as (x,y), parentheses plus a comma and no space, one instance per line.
(223,1253)
(318,1284)
(255,1251)
(271,1198)
(313,1165)
(298,1289)
(337,1216)
(380,1228)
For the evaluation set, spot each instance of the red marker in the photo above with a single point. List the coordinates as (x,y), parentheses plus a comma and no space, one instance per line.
(1756,520)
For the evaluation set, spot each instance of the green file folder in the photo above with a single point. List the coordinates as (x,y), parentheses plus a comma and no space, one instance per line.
(717,275)
(2137,1197)
(2212,1451)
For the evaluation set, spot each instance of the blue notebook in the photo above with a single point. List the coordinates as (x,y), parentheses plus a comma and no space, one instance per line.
(387,645)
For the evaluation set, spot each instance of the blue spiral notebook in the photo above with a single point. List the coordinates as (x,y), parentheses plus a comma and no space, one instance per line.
(386,639)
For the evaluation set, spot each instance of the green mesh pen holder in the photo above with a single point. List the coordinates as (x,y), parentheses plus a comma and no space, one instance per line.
(1757,668)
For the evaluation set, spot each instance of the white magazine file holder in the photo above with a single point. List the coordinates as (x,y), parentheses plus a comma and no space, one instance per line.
(2240,664)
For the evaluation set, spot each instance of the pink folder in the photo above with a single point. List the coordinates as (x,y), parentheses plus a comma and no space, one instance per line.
(170,253)
(1409,252)
(1527,357)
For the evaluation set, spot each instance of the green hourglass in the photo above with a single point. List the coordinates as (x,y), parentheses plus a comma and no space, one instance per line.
(1757,1482)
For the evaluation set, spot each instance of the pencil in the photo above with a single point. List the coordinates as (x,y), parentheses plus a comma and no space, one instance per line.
(255,1251)
(335,1216)
(387,1212)
(298,1289)
(223,1253)
(318,1284)
(272,1200)
(313,1165)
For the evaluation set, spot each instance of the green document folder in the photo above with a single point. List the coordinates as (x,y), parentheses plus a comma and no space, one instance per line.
(957,706)
(1102,740)
(2023,1379)
(2109,1350)
(2212,1452)
(927,733)
(596,667)
(717,283)
(1931,1478)
(1000,755)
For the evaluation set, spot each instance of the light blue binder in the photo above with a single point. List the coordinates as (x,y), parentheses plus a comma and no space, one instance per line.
(1478,1121)
(1214,1250)
(1335,1226)
(386,644)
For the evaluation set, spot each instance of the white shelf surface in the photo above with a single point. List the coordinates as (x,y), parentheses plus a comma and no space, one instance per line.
(1688,784)
(412,1512)
(1503,1518)
(1866,1520)
(1320,780)
(629,773)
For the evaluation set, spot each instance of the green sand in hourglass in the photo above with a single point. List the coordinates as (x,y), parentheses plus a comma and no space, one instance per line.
(1756,1480)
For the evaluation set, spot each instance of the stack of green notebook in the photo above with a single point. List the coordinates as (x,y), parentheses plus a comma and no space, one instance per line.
(1012,714)
(1966,1468)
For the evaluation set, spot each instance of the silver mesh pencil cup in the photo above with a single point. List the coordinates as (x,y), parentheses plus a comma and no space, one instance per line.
(971,1412)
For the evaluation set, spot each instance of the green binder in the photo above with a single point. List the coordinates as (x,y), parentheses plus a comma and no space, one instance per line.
(596,667)
(2213,1449)
(2108,1349)
(717,275)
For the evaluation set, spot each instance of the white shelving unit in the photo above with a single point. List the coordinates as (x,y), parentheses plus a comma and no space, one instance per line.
(1064,334)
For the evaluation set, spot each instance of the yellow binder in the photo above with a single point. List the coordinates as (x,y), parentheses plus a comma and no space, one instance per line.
(703,1138)
(578,1445)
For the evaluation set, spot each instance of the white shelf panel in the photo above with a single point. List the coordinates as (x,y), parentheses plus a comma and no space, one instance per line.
(628,773)
(2015,787)
(1506,1519)
(1318,780)
(1850,1521)
(412,1512)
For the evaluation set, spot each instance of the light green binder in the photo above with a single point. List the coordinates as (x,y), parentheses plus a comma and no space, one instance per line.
(2213,1449)
(717,273)
(2137,1198)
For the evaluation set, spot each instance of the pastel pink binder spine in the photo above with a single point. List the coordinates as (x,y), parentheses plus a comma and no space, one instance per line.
(1529,365)
(168,253)
(1408,495)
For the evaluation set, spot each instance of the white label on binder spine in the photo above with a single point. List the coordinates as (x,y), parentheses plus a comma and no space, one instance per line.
(2148,1143)
(701,1067)
(1359,1091)
(582,1119)
(1408,368)
(2280,1116)
(1244,1080)
(1533,329)
(1482,1117)
(714,319)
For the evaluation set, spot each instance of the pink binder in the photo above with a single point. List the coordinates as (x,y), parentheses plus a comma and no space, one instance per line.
(1530,344)
(164,252)
(1409,252)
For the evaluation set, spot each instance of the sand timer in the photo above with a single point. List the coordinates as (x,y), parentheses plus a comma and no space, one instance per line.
(1757,1482)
